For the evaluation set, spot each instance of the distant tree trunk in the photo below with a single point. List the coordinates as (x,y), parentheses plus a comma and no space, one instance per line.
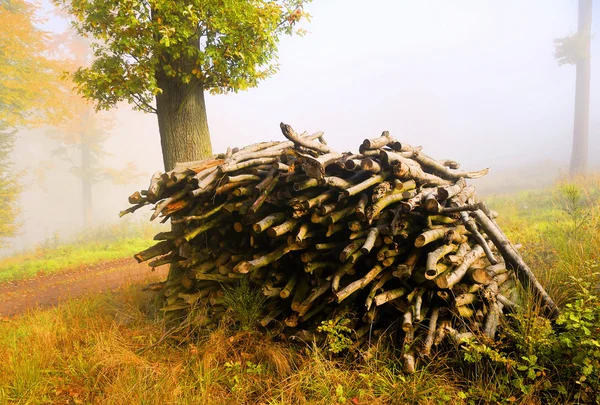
(579,155)
(182,121)
(10,188)
(86,183)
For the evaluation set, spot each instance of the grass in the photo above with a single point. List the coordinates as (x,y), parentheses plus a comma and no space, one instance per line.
(559,229)
(90,247)
(107,349)
(112,348)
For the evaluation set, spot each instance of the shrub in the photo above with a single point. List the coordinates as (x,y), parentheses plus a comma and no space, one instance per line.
(557,365)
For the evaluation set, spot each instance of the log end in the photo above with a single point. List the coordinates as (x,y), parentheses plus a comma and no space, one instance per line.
(430,274)
(441,281)
(409,363)
(420,241)
(135,198)
(243,268)
(286,129)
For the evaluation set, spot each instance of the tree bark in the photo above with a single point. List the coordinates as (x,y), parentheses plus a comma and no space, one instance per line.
(182,121)
(183,127)
(579,155)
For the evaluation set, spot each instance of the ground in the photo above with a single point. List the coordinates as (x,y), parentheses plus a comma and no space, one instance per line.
(17,297)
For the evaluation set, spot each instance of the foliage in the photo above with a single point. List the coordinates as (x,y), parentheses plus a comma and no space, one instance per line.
(28,95)
(224,45)
(240,372)
(338,334)
(579,341)
(532,358)
(572,48)
(28,77)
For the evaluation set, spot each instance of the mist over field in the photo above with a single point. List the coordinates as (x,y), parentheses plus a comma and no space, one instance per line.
(474,81)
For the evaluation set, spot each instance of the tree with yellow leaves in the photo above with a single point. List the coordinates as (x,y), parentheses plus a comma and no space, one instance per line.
(28,93)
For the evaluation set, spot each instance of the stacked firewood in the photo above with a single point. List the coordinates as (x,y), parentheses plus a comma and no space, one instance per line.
(386,236)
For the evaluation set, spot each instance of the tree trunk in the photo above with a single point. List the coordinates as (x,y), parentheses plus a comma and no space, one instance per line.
(182,121)
(579,155)
(183,127)
(86,183)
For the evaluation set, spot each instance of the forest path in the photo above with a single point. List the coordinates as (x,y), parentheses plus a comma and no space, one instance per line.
(48,290)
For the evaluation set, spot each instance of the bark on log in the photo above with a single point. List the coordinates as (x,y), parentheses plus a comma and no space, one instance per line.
(448,280)
(378,143)
(431,269)
(358,284)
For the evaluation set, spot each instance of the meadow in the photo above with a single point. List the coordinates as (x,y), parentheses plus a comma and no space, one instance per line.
(117,349)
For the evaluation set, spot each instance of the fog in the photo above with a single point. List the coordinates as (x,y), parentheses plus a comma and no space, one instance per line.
(475,81)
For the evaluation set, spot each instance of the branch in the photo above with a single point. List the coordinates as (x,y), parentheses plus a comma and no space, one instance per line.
(141,104)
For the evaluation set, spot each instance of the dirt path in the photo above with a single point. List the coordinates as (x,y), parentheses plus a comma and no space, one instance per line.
(45,291)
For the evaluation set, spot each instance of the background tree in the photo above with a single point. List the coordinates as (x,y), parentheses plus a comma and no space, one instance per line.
(575,49)
(9,190)
(81,138)
(28,94)
(171,52)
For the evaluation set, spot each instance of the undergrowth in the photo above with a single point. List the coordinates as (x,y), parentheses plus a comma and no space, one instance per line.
(110,349)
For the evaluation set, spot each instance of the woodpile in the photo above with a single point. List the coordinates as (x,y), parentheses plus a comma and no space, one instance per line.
(386,236)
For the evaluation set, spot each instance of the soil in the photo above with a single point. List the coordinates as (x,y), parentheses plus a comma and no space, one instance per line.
(49,290)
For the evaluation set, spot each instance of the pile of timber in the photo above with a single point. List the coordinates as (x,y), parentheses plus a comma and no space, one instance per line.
(386,236)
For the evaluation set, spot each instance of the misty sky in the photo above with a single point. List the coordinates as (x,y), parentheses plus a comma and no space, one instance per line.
(475,81)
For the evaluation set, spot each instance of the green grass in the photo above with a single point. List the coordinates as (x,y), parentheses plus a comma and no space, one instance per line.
(47,261)
(559,229)
(96,245)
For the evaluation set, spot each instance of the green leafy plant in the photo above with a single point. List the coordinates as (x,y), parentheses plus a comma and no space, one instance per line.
(338,334)
(580,340)
(239,371)
(532,357)
(339,393)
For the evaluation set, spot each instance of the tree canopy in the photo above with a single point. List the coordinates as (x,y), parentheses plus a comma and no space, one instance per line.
(28,77)
(220,45)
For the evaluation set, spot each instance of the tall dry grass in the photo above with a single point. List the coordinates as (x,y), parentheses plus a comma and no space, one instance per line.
(110,349)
